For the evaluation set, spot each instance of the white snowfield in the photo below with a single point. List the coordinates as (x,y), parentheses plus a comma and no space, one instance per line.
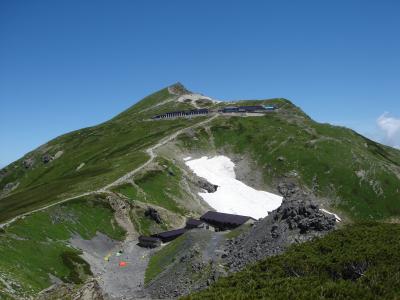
(232,195)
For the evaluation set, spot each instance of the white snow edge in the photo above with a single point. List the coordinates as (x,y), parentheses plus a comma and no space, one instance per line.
(338,219)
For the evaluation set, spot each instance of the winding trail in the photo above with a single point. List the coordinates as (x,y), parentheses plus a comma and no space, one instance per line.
(122,179)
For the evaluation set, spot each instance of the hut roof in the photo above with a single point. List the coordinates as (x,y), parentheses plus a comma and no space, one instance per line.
(194,222)
(168,234)
(252,107)
(148,238)
(213,216)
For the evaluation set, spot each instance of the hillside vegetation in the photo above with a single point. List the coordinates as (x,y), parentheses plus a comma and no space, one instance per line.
(104,152)
(355,175)
(360,261)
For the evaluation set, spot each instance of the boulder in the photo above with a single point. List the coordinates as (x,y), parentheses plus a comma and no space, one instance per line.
(47,158)
(28,163)
(153,214)
(205,185)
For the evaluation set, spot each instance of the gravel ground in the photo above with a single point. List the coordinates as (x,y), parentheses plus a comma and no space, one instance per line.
(116,282)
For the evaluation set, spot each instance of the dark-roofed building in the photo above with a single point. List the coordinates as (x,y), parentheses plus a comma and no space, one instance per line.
(251,108)
(168,236)
(193,223)
(229,109)
(223,221)
(177,114)
(149,241)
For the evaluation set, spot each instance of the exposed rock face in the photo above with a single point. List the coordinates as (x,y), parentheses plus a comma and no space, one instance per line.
(178,89)
(153,214)
(297,220)
(304,215)
(47,158)
(9,187)
(28,163)
(89,291)
(3,173)
(205,185)
(58,154)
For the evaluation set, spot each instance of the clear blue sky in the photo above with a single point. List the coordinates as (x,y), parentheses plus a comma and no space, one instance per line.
(65,65)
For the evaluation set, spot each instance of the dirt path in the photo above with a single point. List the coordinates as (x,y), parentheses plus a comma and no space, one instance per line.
(149,151)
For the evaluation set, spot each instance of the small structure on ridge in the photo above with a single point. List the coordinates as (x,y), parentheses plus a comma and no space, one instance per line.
(149,241)
(223,221)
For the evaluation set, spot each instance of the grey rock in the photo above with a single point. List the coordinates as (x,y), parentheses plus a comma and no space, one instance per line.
(3,173)
(298,219)
(47,158)
(10,187)
(28,163)
(205,185)
(153,214)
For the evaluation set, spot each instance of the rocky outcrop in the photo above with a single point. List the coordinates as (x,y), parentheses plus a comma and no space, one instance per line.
(9,187)
(3,173)
(153,214)
(28,163)
(178,89)
(91,290)
(122,215)
(297,220)
(47,158)
(304,215)
(205,185)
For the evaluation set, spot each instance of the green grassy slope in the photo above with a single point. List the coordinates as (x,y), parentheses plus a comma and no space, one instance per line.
(358,176)
(36,246)
(108,151)
(360,261)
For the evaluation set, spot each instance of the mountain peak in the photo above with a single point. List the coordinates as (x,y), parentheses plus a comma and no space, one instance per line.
(178,89)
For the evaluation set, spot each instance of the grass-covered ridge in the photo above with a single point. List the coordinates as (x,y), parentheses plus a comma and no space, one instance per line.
(360,261)
(91,157)
(358,176)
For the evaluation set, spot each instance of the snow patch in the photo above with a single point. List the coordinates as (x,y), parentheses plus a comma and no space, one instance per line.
(187,158)
(80,166)
(338,219)
(232,195)
(194,97)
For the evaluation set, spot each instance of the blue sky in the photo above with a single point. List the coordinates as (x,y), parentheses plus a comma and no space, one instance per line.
(65,65)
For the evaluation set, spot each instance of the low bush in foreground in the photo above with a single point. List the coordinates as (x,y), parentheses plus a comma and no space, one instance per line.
(360,261)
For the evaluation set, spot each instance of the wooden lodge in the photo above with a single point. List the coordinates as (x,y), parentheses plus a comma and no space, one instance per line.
(211,220)
(180,114)
(247,109)
(149,241)
(168,236)
(194,224)
(223,221)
